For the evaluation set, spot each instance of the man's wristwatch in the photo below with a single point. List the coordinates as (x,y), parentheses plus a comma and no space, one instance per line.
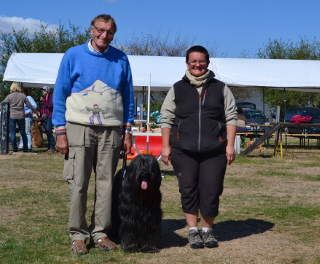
(128,130)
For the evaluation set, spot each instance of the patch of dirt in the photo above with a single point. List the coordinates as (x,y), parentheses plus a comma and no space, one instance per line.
(264,248)
(235,171)
(306,171)
(8,156)
(8,215)
(16,155)
(306,190)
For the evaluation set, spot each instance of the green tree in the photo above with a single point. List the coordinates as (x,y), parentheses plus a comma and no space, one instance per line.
(154,46)
(45,40)
(300,50)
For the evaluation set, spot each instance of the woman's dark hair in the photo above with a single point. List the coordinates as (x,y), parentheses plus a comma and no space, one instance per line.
(197,49)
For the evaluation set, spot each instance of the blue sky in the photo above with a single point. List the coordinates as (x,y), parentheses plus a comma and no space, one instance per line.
(232,28)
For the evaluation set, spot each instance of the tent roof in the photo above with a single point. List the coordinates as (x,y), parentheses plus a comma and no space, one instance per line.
(37,69)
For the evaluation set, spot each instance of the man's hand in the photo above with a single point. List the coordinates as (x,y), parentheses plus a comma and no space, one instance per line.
(165,154)
(127,143)
(62,144)
(230,153)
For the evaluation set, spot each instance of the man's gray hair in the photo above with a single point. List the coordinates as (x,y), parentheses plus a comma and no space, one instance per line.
(106,18)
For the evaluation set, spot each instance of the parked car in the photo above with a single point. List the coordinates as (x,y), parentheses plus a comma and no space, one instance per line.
(246,105)
(254,117)
(313,112)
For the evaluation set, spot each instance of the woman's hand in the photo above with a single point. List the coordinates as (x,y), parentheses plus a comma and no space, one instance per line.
(230,153)
(165,154)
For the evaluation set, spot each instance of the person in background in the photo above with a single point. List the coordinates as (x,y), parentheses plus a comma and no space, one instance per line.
(28,119)
(92,113)
(198,126)
(46,108)
(16,100)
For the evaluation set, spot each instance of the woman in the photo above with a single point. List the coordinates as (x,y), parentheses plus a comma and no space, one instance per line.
(46,116)
(198,128)
(28,119)
(16,100)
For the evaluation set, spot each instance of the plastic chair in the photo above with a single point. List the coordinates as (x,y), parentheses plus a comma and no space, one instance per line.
(155,146)
(139,146)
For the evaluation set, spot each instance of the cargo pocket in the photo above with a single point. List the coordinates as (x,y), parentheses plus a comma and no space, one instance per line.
(69,166)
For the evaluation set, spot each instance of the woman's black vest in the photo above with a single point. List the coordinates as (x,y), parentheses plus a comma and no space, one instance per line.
(199,118)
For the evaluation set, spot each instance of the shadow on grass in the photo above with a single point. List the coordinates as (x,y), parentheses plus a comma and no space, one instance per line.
(40,150)
(261,155)
(168,236)
(224,231)
(229,230)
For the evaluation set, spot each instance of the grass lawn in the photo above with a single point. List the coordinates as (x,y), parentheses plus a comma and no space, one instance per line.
(269,213)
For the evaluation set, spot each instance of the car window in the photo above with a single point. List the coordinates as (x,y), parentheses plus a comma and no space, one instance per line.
(246,105)
(254,116)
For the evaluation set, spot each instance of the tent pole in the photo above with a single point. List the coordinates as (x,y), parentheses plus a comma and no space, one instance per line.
(284,104)
(148,109)
(263,106)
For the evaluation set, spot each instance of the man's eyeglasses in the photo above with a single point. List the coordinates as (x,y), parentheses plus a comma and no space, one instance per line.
(195,62)
(101,31)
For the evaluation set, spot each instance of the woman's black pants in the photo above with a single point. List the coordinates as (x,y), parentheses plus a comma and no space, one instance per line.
(200,178)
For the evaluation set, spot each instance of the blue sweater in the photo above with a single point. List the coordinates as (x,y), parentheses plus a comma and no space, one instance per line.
(93,88)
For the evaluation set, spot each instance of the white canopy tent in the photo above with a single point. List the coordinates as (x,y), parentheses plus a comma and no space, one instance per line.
(158,73)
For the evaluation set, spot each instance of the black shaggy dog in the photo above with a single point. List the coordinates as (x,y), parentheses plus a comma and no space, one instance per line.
(137,205)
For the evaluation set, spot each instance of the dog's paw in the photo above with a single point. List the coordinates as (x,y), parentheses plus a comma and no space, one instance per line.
(130,248)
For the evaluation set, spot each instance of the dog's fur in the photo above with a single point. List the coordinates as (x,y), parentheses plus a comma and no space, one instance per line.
(37,139)
(137,205)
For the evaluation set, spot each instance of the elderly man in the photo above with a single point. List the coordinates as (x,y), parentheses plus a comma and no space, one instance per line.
(93,111)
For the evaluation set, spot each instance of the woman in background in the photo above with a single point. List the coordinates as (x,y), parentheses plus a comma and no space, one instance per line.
(16,100)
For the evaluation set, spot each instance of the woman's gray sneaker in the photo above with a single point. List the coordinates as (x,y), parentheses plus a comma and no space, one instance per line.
(195,239)
(208,239)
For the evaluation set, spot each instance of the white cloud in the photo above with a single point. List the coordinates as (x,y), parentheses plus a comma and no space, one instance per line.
(19,23)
